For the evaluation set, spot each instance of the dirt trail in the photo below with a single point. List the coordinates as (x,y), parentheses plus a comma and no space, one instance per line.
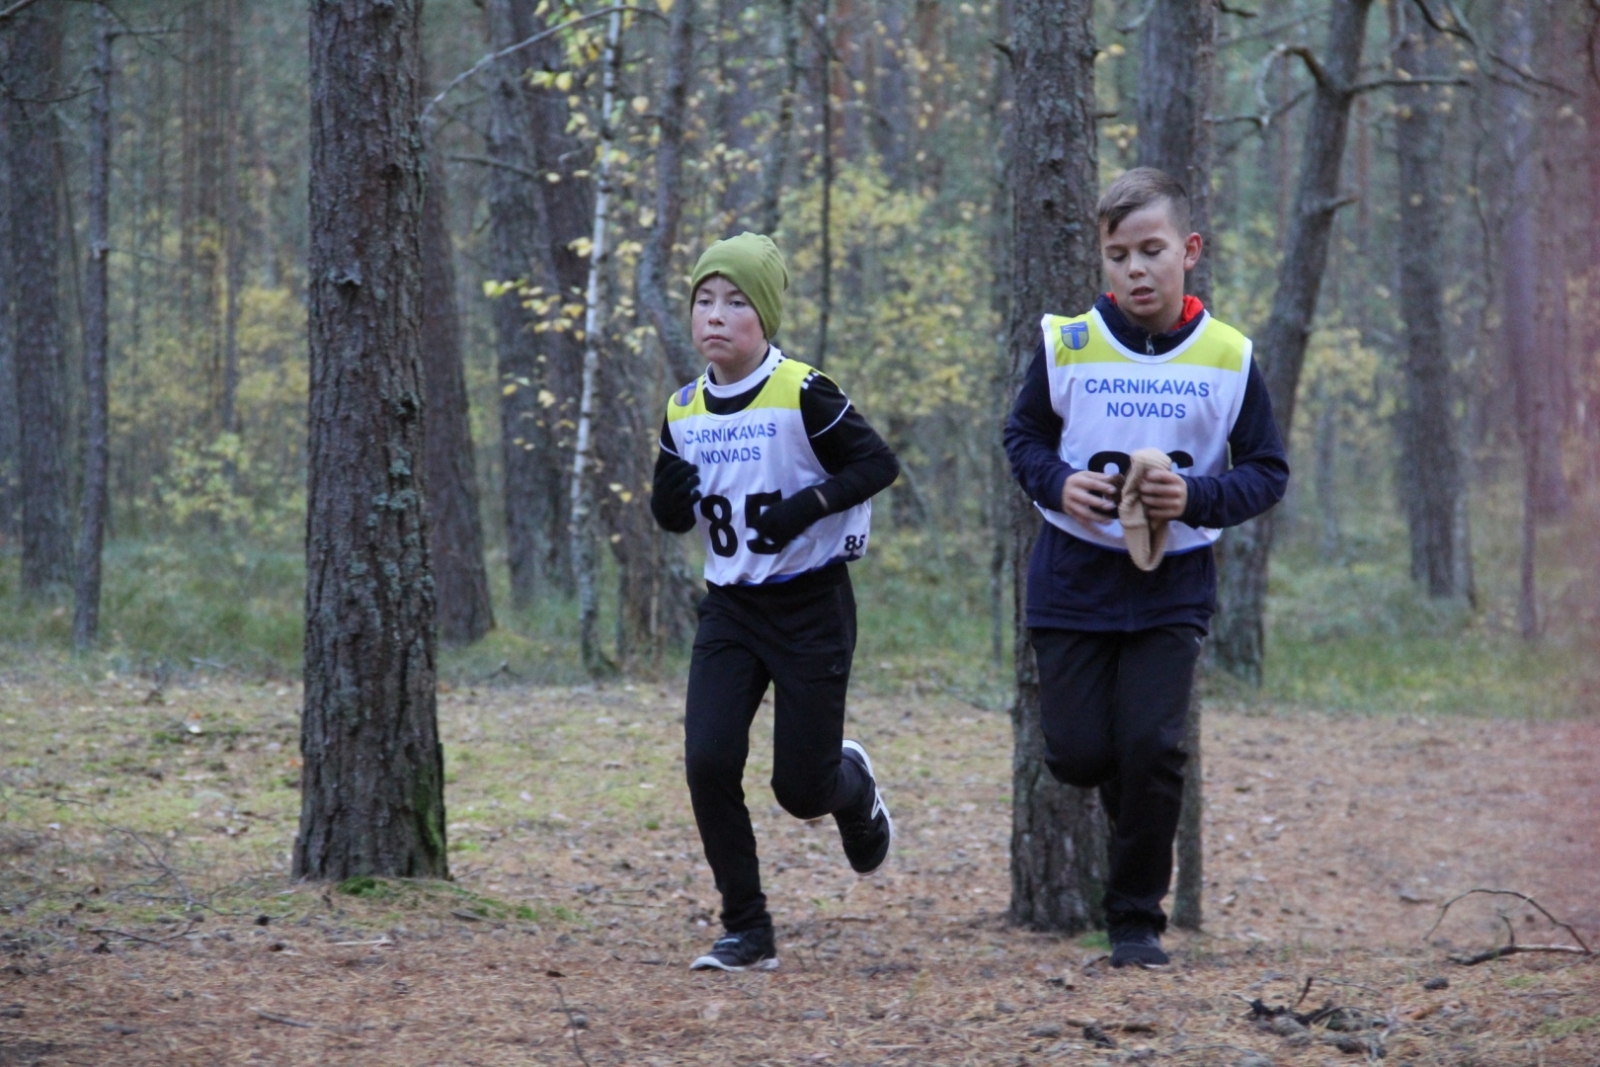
(1331,842)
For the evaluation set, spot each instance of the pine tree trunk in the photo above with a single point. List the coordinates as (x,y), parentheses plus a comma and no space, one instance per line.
(1058,833)
(10,486)
(569,205)
(1002,115)
(34,78)
(819,355)
(208,130)
(771,210)
(1328,538)
(373,791)
(1179,54)
(455,527)
(96,453)
(655,298)
(1238,638)
(534,484)
(656,591)
(1519,270)
(1429,417)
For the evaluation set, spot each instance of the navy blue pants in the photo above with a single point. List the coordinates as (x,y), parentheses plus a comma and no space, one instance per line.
(799,637)
(1112,706)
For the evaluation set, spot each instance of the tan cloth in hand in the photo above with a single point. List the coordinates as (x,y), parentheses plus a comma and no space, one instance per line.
(1146,540)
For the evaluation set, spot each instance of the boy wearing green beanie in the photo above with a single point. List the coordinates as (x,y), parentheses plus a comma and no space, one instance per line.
(769,459)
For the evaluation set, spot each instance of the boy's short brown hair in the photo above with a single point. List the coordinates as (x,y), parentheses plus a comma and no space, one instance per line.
(1137,188)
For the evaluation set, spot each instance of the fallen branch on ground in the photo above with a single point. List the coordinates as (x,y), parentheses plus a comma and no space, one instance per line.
(1511,948)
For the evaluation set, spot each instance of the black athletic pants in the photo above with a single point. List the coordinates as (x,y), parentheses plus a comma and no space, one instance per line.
(800,636)
(1112,706)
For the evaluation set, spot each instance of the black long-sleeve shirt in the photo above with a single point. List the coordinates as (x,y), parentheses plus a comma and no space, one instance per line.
(859,462)
(1075,585)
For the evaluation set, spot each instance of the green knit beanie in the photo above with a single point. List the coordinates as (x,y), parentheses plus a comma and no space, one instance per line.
(753,263)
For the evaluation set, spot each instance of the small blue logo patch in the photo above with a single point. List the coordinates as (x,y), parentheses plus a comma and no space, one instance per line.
(1075,334)
(685,396)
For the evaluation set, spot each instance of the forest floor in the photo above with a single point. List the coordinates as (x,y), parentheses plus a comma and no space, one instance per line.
(146,915)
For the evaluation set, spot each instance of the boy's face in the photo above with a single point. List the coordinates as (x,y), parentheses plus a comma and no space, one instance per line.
(727,329)
(1145,261)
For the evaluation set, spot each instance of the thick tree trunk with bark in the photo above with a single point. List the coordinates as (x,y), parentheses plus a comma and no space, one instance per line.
(1179,42)
(534,466)
(1058,833)
(34,78)
(373,790)
(96,452)
(1237,634)
(455,527)
(1429,429)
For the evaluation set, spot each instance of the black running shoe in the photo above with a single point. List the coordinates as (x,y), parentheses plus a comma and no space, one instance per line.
(867,834)
(1137,946)
(751,950)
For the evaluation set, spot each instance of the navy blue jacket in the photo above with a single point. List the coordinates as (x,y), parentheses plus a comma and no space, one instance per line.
(1075,585)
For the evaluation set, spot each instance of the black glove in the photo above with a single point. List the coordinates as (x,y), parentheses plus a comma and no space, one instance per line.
(788,518)
(674,494)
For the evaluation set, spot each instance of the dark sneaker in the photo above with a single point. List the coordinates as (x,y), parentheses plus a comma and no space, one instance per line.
(867,834)
(751,950)
(1137,946)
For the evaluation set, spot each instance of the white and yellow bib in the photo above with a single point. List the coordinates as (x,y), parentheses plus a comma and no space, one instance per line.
(749,461)
(1114,401)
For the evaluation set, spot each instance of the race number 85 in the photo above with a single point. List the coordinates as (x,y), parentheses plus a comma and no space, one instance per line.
(718,512)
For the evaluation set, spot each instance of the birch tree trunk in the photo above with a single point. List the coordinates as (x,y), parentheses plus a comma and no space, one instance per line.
(373,787)
(583,491)
(34,78)
(1179,40)
(1238,636)
(1058,833)
(96,452)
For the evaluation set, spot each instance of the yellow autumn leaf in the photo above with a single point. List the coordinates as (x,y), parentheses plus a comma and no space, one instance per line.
(510,387)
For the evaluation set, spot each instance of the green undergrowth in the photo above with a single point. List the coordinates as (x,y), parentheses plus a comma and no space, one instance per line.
(198,603)
(1353,632)
(1346,630)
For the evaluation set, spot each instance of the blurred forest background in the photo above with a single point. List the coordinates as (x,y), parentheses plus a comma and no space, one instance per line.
(869,137)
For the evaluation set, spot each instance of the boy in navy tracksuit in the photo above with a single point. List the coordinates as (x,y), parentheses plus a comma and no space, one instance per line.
(776,467)
(1147,367)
